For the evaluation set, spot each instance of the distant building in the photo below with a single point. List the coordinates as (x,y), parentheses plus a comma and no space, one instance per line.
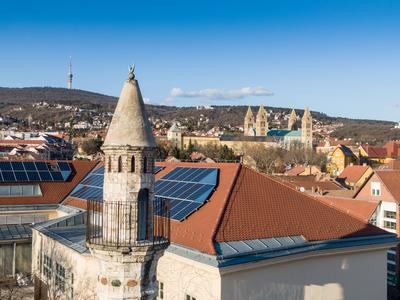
(174,135)
(339,159)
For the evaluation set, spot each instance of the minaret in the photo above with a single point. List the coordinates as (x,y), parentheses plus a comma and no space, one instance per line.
(261,122)
(292,120)
(130,241)
(248,127)
(306,129)
(69,75)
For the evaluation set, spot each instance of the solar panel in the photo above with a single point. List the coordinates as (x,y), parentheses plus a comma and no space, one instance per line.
(17,171)
(187,189)
(91,187)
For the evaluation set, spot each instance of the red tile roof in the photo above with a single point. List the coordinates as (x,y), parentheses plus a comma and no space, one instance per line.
(249,205)
(391,179)
(375,152)
(295,171)
(361,209)
(262,207)
(308,182)
(53,192)
(353,173)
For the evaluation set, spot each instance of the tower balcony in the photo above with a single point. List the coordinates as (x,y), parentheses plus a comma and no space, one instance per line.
(123,226)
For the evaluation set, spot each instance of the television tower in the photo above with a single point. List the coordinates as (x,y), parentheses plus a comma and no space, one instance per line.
(69,75)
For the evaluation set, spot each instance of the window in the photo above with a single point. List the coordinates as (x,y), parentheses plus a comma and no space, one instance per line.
(20,190)
(375,188)
(60,277)
(389,214)
(109,164)
(145,164)
(160,290)
(133,164)
(188,297)
(143,210)
(47,266)
(119,164)
(389,225)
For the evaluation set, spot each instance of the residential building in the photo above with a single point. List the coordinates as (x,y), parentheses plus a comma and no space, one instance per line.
(339,159)
(355,176)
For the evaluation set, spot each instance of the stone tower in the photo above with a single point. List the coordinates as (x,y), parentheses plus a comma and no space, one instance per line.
(174,135)
(292,121)
(261,122)
(126,247)
(248,127)
(306,129)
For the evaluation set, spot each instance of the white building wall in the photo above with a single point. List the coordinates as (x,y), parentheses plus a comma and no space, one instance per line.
(181,276)
(386,206)
(353,276)
(79,286)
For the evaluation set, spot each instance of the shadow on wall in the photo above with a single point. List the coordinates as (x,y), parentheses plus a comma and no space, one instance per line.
(357,275)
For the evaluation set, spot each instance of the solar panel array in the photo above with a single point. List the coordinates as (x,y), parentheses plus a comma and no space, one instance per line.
(91,188)
(187,189)
(30,171)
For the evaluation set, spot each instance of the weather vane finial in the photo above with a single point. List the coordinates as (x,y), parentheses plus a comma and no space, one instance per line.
(131,75)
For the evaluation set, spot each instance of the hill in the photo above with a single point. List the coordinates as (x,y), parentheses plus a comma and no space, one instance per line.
(19,103)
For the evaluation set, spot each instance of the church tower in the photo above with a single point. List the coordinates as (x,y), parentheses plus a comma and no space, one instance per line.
(248,127)
(306,129)
(261,122)
(126,233)
(292,121)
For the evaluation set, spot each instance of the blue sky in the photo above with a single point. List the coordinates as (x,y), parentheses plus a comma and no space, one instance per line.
(338,57)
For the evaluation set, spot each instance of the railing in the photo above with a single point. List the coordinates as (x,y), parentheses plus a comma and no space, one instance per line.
(121,224)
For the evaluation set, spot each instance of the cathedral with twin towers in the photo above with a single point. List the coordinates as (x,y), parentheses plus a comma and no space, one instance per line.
(258,126)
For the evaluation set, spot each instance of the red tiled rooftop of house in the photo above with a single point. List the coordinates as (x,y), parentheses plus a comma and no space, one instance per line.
(375,152)
(308,182)
(276,210)
(361,209)
(391,180)
(295,171)
(53,192)
(249,205)
(353,173)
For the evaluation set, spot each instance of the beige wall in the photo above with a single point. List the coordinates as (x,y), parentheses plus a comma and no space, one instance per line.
(334,276)
(182,276)
(344,276)
(83,267)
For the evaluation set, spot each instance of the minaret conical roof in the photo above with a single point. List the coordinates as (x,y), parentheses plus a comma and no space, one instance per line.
(130,125)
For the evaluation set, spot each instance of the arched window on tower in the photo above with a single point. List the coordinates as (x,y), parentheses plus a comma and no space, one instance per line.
(143,214)
(109,164)
(119,164)
(133,164)
(145,164)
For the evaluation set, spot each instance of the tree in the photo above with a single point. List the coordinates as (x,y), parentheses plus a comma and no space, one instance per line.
(267,160)
(92,146)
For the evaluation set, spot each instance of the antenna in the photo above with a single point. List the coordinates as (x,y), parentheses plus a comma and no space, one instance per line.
(69,75)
